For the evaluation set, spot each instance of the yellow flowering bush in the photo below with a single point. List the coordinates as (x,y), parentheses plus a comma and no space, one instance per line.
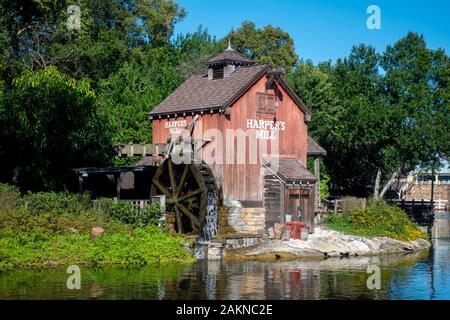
(378,219)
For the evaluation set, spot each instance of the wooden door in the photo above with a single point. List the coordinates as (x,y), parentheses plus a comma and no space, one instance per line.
(302,200)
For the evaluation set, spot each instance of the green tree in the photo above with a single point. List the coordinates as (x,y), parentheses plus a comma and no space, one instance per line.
(416,90)
(127,97)
(55,126)
(315,87)
(354,148)
(37,35)
(194,49)
(382,115)
(269,44)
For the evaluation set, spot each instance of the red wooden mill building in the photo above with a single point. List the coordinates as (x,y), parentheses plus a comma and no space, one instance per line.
(247,132)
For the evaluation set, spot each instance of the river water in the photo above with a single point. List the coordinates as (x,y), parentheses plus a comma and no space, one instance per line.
(413,276)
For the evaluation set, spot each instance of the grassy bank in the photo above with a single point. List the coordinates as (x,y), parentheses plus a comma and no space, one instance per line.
(50,229)
(378,219)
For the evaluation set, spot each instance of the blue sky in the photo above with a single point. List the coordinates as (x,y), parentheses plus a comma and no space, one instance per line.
(325,29)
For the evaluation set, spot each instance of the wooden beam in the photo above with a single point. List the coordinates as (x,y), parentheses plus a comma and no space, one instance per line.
(118,185)
(317,175)
(80,184)
(132,150)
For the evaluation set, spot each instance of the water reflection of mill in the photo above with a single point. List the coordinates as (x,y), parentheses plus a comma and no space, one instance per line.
(297,280)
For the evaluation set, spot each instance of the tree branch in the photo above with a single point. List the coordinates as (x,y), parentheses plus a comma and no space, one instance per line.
(376,192)
(389,183)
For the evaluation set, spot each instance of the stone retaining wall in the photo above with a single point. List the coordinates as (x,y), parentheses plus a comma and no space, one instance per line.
(247,220)
(423,191)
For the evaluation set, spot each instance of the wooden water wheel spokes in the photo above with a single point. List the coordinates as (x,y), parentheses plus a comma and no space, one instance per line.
(186,194)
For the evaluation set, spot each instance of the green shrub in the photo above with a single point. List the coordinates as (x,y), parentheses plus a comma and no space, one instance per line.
(124,212)
(378,219)
(146,246)
(21,221)
(59,203)
(9,196)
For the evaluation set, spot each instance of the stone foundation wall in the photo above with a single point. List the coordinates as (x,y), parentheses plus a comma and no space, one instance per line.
(247,220)
(241,242)
(423,191)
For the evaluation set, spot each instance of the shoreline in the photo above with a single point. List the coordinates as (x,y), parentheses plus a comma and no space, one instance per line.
(327,244)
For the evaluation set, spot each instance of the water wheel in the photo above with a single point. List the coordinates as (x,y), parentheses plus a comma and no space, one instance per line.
(187,188)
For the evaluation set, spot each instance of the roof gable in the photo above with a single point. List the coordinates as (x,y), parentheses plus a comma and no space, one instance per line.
(198,93)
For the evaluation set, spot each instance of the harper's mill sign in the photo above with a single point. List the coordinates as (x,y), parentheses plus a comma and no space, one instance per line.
(266,129)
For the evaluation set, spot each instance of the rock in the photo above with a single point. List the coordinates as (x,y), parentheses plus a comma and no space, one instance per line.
(285,235)
(187,248)
(333,254)
(97,232)
(215,251)
(277,231)
(271,233)
(423,243)
(332,244)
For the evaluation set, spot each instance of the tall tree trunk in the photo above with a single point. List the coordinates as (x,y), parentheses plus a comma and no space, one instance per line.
(389,184)
(376,192)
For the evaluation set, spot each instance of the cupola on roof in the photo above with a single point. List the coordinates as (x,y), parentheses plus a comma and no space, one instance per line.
(229,57)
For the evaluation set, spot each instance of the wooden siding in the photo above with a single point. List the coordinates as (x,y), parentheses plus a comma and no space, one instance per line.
(273,200)
(245,181)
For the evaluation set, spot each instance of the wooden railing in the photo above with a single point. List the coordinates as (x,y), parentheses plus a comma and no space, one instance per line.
(438,204)
(137,204)
(337,206)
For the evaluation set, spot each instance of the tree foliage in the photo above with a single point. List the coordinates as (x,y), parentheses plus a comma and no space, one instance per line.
(127,97)
(37,36)
(52,126)
(267,45)
(378,115)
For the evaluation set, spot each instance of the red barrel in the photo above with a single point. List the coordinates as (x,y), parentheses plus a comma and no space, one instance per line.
(294,228)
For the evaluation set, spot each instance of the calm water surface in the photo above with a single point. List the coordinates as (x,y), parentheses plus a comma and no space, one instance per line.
(413,276)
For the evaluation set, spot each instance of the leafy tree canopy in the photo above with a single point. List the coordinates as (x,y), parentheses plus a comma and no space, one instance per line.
(269,44)
(379,115)
(55,127)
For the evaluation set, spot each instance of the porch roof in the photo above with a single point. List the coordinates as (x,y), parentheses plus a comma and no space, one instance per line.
(314,149)
(289,170)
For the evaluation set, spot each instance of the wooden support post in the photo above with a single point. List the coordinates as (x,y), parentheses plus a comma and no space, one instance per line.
(118,185)
(283,204)
(317,187)
(80,184)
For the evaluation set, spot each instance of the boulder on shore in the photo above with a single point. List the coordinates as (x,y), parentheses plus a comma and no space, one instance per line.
(97,232)
(325,243)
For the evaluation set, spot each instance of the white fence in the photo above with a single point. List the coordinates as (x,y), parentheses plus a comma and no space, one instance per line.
(139,204)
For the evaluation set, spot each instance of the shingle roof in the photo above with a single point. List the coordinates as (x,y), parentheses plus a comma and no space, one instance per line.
(289,169)
(229,55)
(314,149)
(198,93)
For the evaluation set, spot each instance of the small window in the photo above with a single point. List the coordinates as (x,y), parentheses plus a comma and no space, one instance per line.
(266,103)
(218,73)
(444,179)
(424,179)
